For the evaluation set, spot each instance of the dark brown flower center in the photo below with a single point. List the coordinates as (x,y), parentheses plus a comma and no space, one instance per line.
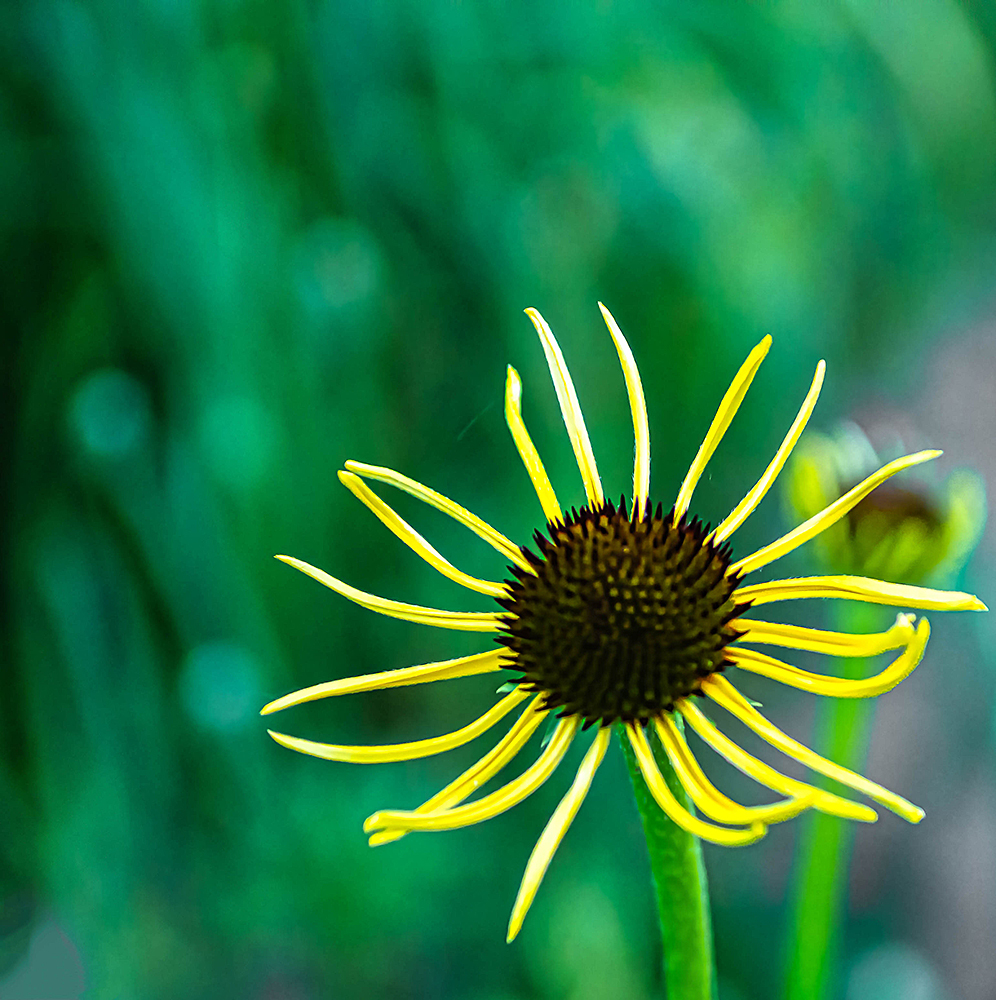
(623,616)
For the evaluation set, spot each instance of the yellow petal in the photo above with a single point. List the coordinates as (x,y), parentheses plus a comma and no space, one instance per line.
(490,805)
(766,775)
(638,408)
(553,834)
(746,507)
(465,621)
(404,751)
(721,691)
(708,797)
(501,754)
(397,524)
(816,640)
(836,687)
(464,666)
(675,811)
(527,450)
(724,415)
(481,528)
(820,522)
(570,408)
(859,588)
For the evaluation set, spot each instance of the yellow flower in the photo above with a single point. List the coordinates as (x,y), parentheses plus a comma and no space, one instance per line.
(625,617)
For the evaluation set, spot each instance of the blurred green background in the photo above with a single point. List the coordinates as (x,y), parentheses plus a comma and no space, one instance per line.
(245,240)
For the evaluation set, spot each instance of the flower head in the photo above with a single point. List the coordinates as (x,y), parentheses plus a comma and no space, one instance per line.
(915,532)
(630,615)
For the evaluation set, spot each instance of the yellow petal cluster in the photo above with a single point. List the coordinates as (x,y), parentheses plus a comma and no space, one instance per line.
(726,821)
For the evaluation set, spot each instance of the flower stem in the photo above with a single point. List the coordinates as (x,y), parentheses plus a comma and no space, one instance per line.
(679,884)
(819,893)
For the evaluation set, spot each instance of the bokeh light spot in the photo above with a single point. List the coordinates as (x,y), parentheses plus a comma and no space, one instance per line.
(239,439)
(219,685)
(337,266)
(110,413)
(894,972)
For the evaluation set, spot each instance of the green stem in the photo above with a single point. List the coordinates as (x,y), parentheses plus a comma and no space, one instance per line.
(679,884)
(819,893)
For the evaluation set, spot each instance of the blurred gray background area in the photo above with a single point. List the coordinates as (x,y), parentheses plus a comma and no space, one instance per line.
(247,240)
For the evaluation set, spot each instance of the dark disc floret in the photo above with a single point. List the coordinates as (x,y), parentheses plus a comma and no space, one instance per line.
(622,615)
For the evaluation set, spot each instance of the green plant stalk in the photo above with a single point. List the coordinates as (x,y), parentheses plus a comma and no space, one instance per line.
(679,883)
(819,887)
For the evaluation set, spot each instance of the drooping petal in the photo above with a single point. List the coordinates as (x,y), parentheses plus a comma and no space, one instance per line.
(490,805)
(400,527)
(748,505)
(724,416)
(553,833)
(831,515)
(859,588)
(527,450)
(464,666)
(464,621)
(836,687)
(500,755)
(638,408)
(766,775)
(571,410)
(721,691)
(405,751)
(674,809)
(708,797)
(816,640)
(481,528)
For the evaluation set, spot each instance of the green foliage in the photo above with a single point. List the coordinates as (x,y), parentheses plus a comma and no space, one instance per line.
(245,240)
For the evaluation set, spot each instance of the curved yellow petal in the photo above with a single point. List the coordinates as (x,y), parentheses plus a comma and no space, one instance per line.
(836,687)
(501,754)
(859,588)
(490,805)
(527,450)
(481,528)
(747,506)
(638,408)
(674,809)
(766,775)
(465,621)
(708,797)
(820,522)
(724,416)
(463,666)
(400,527)
(721,691)
(571,409)
(404,751)
(816,640)
(553,833)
